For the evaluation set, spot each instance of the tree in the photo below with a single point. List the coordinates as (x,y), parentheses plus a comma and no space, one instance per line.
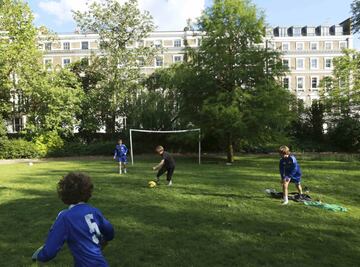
(156,107)
(341,98)
(19,54)
(355,18)
(341,92)
(121,29)
(91,113)
(229,86)
(52,102)
(48,99)
(308,126)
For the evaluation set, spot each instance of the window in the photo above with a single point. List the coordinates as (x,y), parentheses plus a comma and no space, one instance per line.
(314,63)
(314,46)
(328,63)
(300,83)
(314,83)
(66,46)
(300,63)
(84,45)
(141,62)
(158,43)
(177,59)
(177,43)
(66,61)
(286,63)
(159,62)
(299,46)
(48,63)
(285,46)
(328,45)
(286,83)
(48,46)
(296,31)
(343,45)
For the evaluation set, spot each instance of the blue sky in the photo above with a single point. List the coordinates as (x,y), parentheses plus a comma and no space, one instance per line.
(172,14)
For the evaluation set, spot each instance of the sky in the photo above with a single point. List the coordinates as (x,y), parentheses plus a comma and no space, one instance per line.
(172,14)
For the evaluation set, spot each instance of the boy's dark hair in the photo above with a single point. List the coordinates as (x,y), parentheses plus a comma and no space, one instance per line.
(75,187)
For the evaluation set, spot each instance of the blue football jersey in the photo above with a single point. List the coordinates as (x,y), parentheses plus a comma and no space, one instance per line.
(82,227)
(121,150)
(289,167)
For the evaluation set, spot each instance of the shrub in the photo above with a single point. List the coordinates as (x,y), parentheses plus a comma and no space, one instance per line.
(48,143)
(18,148)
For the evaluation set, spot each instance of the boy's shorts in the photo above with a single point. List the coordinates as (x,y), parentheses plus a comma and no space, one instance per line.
(296,181)
(122,159)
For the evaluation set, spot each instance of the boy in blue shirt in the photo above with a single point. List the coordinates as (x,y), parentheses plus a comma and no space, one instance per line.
(82,226)
(120,155)
(289,172)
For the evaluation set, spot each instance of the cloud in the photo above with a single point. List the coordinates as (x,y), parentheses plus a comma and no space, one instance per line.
(60,10)
(167,14)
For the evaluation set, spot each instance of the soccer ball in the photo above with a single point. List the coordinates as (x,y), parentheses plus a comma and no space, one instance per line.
(151,184)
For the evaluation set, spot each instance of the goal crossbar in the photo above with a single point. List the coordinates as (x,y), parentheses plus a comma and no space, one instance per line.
(163,132)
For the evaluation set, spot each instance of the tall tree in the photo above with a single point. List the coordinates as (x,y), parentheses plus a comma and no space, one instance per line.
(156,107)
(355,18)
(229,86)
(341,97)
(341,92)
(122,29)
(48,99)
(19,53)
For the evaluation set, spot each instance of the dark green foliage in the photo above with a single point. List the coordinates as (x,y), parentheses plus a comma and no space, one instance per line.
(355,19)
(83,149)
(345,135)
(17,149)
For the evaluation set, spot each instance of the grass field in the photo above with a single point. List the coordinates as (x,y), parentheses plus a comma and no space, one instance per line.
(214,215)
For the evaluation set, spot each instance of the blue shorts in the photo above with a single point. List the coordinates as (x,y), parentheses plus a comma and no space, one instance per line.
(122,159)
(296,181)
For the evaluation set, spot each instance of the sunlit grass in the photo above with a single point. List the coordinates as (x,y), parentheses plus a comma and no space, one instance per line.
(214,215)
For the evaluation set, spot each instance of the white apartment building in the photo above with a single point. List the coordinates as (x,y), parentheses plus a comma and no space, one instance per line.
(307,51)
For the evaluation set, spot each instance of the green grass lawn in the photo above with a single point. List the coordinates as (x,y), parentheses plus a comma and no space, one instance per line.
(214,215)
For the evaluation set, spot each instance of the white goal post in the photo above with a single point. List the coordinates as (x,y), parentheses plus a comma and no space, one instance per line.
(163,132)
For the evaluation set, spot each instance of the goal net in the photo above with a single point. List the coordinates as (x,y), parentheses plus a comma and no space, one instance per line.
(164,132)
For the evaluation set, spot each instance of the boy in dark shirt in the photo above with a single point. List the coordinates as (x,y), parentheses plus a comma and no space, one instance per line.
(167,164)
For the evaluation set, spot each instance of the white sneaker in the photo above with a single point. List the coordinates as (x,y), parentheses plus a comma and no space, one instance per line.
(125,171)
(170,183)
(285,203)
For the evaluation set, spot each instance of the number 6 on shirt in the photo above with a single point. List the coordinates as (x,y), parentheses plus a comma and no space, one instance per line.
(93,227)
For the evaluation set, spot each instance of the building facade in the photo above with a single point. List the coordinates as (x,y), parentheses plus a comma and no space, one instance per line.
(308,52)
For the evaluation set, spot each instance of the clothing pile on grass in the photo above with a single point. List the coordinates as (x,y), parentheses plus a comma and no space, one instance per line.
(306,199)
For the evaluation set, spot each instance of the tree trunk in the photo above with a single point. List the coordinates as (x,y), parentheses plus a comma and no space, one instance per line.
(110,124)
(230,149)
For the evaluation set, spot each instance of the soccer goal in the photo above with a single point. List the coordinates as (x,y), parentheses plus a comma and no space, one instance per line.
(163,132)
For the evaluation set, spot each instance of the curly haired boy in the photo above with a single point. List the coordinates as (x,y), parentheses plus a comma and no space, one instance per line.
(82,226)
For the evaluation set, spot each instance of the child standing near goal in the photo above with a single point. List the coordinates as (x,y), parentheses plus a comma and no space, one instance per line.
(167,164)
(120,155)
(289,172)
(82,226)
